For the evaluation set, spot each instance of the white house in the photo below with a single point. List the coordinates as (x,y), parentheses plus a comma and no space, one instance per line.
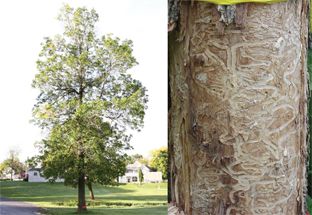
(132,174)
(34,175)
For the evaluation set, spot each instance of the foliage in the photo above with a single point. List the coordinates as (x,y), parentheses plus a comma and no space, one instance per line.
(113,200)
(141,177)
(159,161)
(32,162)
(137,157)
(87,101)
(2,170)
(12,165)
(132,158)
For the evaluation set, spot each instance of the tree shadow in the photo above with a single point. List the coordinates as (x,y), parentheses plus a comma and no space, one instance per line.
(160,210)
(10,207)
(135,198)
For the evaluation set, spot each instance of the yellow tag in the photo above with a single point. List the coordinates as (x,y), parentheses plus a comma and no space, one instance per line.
(228,2)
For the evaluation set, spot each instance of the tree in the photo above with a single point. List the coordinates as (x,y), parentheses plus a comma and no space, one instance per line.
(137,157)
(87,102)
(144,161)
(12,165)
(159,161)
(2,170)
(237,107)
(32,162)
(132,158)
(141,176)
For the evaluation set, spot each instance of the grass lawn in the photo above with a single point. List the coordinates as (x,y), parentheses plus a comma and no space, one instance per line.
(59,199)
(309,204)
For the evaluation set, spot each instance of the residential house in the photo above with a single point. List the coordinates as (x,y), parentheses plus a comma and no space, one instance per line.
(132,174)
(35,175)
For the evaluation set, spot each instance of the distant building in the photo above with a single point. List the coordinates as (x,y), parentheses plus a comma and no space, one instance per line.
(35,175)
(132,174)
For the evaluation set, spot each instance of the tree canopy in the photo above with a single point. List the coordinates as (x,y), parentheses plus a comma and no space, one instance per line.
(87,102)
(12,165)
(159,160)
(137,157)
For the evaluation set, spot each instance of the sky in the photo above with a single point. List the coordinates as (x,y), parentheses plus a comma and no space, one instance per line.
(24,24)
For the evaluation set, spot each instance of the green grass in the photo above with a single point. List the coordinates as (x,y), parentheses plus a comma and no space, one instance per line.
(309,201)
(59,199)
(112,211)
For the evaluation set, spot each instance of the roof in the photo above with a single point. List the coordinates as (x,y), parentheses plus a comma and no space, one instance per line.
(137,165)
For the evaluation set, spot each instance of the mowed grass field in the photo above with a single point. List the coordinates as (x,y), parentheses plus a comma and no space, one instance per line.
(309,201)
(57,199)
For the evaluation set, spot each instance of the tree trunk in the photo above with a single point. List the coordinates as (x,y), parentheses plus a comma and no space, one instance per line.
(90,190)
(81,185)
(81,194)
(237,117)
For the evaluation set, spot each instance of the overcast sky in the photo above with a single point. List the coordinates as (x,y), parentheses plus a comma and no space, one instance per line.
(24,24)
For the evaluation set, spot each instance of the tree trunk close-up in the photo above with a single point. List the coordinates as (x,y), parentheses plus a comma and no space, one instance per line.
(238,107)
(81,194)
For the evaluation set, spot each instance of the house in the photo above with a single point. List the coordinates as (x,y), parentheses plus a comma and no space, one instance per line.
(132,174)
(35,175)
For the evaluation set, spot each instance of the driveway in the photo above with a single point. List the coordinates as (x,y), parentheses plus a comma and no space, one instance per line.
(10,207)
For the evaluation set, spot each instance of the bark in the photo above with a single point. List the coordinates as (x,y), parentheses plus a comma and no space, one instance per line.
(81,186)
(237,117)
(81,174)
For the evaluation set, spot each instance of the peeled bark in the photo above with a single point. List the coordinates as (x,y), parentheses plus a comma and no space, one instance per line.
(237,117)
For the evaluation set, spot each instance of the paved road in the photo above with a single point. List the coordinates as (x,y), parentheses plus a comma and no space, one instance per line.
(10,207)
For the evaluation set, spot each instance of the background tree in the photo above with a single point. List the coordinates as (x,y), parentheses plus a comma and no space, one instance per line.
(237,107)
(2,170)
(12,165)
(32,162)
(159,161)
(132,158)
(144,161)
(141,176)
(136,157)
(87,102)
